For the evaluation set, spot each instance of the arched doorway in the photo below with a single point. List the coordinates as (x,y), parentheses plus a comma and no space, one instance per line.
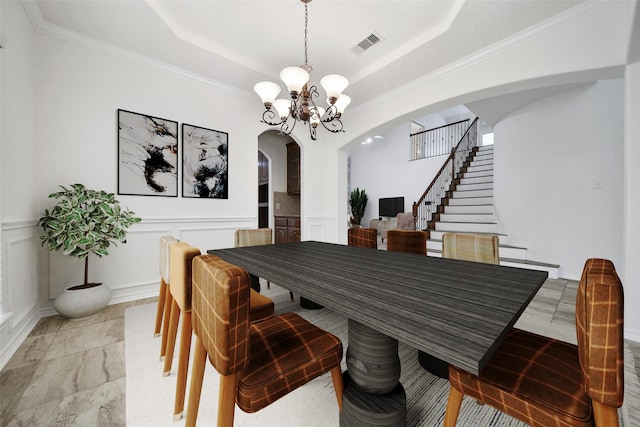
(263,190)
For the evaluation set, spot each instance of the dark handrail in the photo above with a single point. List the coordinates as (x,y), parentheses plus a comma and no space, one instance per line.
(439,127)
(442,179)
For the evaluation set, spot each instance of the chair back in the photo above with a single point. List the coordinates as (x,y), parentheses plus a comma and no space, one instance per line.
(253,237)
(405,221)
(181,256)
(411,241)
(362,237)
(165,244)
(471,247)
(599,327)
(220,312)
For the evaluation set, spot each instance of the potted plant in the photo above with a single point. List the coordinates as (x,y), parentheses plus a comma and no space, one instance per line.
(358,203)
(84,222)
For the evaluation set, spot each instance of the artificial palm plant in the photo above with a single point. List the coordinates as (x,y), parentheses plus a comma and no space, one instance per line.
(358,203)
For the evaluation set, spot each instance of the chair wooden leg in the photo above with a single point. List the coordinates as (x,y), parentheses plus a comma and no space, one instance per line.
(291,295)
(453,407)
(161,299)
(268,284)
(168,301)
(338,385)
(227,399)
(604,415)
(195,388)
(171,338)
(183,365)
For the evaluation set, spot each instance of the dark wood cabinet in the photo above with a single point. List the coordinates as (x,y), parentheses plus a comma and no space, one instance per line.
(287,229)
(293,168)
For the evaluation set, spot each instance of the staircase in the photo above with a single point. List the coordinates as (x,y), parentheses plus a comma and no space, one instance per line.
(469,209)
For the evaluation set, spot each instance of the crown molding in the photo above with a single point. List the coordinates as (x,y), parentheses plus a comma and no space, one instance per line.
(579,12)
(45,28)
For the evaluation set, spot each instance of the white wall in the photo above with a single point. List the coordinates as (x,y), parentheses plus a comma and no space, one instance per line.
(630,271)
(79,92)
(21,291)
(383,169)
(59,126)
(549,157)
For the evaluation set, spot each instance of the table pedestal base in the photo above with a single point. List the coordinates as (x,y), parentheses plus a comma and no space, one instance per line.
(361,409)
(432,364)
(308,304)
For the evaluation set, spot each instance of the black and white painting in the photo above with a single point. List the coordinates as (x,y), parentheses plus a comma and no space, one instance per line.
(205,163)
(147,155)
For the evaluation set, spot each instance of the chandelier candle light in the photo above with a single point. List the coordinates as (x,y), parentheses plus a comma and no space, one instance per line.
(301,105)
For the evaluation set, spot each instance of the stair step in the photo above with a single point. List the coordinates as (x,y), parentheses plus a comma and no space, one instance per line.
(472,194)
(478,174)
(488,170)
(482,162)
(486,158)
(505,251)
(467,227)
(552,269)
(503,239)
(483,155)
(469,209)
(468,217)
(477,179)
(475,186)
(471,201)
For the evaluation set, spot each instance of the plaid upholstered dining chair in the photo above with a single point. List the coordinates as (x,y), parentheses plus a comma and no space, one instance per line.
(545,382)
(164,295)
(259,362)
(411,241)
(471,247)
(181,257)
(255,237)
(362,237)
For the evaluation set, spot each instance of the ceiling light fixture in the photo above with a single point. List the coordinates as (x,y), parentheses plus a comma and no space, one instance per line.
(301,105)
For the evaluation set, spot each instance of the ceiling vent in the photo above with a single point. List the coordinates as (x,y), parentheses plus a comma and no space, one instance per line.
(369,41)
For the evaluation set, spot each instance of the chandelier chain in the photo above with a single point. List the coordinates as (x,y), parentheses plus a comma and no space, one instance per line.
(306,21)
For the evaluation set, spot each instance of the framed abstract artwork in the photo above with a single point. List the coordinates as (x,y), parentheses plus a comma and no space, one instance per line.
(205,163)
(147,155)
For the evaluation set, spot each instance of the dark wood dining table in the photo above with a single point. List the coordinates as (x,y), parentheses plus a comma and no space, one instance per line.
(457,311)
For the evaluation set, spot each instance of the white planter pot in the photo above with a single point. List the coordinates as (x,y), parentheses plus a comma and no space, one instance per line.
(82,303)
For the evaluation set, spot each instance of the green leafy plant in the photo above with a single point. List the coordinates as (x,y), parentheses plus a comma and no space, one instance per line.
(85,221)
(358,203)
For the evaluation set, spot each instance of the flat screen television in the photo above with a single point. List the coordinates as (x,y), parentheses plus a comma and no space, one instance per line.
(390,206)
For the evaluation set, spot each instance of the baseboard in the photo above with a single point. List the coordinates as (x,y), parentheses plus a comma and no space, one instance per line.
(632,335)
(16,334)
(135,292)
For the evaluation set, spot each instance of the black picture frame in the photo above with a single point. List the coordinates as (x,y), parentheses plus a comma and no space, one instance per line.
(205,163)
(147,155)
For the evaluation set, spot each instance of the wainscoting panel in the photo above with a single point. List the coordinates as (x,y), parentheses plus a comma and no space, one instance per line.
(322,229)
(20,295)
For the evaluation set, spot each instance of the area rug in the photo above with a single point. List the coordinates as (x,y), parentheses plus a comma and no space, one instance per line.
(150,396)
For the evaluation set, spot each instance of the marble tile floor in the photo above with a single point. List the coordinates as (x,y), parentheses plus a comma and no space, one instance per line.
(72,373)
(68,373)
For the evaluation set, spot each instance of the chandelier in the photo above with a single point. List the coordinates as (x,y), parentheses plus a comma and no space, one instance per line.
(301,106)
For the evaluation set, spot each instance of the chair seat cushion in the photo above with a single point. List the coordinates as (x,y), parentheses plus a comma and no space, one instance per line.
(260,307)
(286,352)
(532,378)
